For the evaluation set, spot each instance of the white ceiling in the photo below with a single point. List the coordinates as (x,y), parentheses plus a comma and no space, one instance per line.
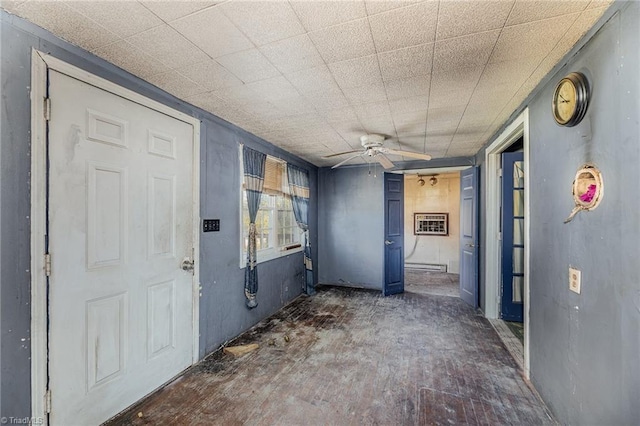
(312,76)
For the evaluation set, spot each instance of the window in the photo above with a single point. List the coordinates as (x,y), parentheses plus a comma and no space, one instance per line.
(277,233)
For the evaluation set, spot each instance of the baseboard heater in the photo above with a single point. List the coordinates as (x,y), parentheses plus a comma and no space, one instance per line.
(426,266)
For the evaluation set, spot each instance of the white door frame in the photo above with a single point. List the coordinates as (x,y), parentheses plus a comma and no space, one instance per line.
(39,64)
(519,127)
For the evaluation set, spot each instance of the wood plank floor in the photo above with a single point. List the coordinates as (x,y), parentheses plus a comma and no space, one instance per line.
(353,357)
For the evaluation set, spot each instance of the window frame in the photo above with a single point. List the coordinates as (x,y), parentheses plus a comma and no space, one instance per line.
(273,251)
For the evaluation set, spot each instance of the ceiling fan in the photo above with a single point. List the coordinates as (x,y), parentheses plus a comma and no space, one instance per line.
(373,148)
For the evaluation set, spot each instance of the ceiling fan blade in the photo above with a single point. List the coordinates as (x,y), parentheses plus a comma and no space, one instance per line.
(344,161)
(386,163)
(340,153)
(407,153)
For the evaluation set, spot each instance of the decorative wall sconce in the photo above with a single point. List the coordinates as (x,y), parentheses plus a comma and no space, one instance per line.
(588,188)
(420,180)
(433,180)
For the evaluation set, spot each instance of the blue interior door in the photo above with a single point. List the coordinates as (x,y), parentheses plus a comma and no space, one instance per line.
(512,236)
(469,236)
(393,234)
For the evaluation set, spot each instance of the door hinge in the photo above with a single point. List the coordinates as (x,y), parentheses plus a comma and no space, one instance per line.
(47,109)
(47,401)
(499,236)
(500,172)
(47,264)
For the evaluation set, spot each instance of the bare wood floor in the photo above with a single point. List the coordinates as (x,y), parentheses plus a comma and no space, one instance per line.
(354,357)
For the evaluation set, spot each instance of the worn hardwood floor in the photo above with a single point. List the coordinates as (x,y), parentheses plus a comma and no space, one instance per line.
(353,357)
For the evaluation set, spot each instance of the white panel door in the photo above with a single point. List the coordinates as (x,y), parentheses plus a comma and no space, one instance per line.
(120,225)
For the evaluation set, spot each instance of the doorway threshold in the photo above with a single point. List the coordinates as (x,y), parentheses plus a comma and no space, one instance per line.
(510,341)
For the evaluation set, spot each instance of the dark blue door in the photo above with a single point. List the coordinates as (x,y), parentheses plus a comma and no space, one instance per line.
(512,236)
(393,234)
(469,236)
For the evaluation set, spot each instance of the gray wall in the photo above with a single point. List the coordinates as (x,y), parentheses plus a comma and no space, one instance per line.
(222,311)
(585,349)
(351,227)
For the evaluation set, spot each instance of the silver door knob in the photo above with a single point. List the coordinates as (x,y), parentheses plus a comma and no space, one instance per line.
(187,264)
(388,243)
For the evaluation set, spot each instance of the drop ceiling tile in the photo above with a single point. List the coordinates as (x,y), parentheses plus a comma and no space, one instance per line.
(313,80)
(457,18)
(529,11)
(212,32)
(410,124)
(446,113)
(167,46)
(315,15)
(454,87)
(356,72)
(327,99)
(11,5)
(408,87)
(373,92)
(131,59)
(404,27)
(273,89)
(531,39)
(345,41)
(176,84)
(262,110)
(378,6)
(407,62)
(122,18)
(373,109)
(209,102)
(505,74)
(381,125)
(292,54)
(171,10)
(294,105)
(66,23)
(409,104)
(412,142)
(236,94)
(340,115)
(466,51)
(210,74)
(599,3)
(248,65)
(264,21)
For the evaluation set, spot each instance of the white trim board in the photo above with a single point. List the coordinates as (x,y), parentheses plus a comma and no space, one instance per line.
(40,62)
(519,127)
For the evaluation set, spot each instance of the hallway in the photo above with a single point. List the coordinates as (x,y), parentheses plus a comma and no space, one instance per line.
(349,356)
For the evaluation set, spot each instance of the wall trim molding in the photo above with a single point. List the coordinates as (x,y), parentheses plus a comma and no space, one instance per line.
(40,64)
(517,128)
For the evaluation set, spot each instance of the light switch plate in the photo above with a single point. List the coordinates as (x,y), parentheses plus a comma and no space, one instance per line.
(575,278)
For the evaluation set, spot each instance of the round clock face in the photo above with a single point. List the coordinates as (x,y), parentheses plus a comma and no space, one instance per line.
(565,101)
(570,100)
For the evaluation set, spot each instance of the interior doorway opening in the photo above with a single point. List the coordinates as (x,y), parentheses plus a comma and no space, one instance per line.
(432,231)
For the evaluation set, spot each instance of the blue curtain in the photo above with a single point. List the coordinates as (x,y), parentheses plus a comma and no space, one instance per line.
(254,162)
(299,186)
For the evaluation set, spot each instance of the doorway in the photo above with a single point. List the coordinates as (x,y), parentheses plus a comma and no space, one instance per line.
(432,231)
(493,265)
(114,208)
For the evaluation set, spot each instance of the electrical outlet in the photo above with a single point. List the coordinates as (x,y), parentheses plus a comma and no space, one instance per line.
(575,277)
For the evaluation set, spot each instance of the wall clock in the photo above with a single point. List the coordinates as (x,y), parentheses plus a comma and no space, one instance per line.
(570,99)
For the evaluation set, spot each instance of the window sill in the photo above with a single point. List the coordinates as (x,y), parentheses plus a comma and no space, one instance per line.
(272,254)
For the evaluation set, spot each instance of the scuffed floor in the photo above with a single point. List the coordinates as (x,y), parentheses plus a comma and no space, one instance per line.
(430,282)
(354,357)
